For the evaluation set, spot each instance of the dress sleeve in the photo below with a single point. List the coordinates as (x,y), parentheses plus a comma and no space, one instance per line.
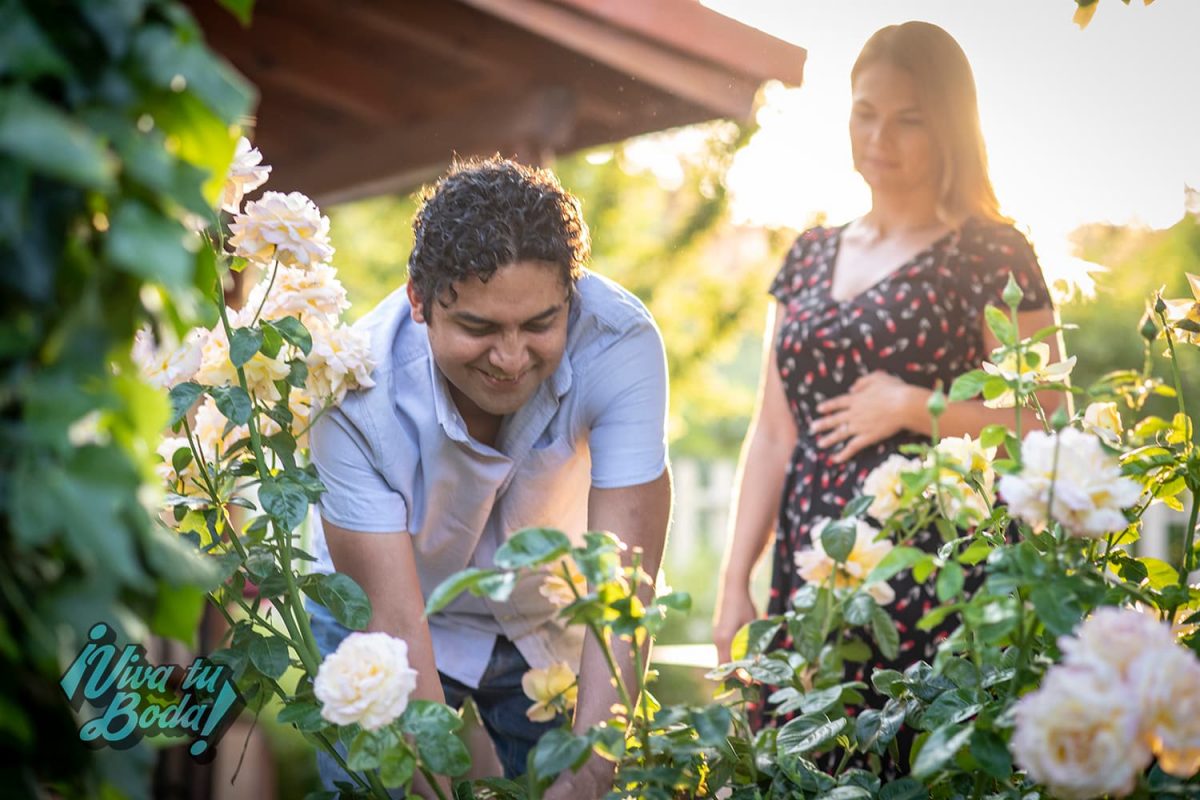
(1003,250)
(787,280)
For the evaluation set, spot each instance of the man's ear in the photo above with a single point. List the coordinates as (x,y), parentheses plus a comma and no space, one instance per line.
(418,307)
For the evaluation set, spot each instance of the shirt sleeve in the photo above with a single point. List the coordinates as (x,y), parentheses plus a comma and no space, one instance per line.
(357,497)
(1005,251)
(627,398)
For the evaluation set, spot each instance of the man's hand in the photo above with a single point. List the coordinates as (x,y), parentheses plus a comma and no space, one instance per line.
(593,780)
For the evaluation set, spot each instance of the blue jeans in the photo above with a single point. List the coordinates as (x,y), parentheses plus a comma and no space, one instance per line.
(501,701)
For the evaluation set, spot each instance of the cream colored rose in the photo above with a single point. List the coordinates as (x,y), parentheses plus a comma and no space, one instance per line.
(340,360)
(1085,481)
(216,369)
(814,565)
(1115,637)
(558,589)
(166,366)
(245,175)
(366,680)
(287,228)
(886,487)
(553,690)
(1031,372)
(295,292)
(1167,683)
(1104,420)
(1078,734)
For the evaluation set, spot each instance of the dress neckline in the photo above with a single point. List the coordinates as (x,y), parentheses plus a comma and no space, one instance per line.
(832,263)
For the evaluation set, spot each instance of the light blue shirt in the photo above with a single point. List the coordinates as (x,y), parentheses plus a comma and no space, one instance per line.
(397,457)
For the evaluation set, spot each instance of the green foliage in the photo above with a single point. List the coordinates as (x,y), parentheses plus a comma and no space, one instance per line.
(102,151)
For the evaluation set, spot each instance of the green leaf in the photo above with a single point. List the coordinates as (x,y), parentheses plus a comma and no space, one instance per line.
(149,245)
(345,599)
(294,332)
(532,547)
(949,581)
(272,342)
(857,507)
(244,344)
(177,611)
(847,793)
(992,435)
(52,143)
(284,501)
(923,568)
(807,733)
(896,561)
(887,681)
(711,724)
(426,718)
(838,539)
(903,789)
(957,705)
(269,655)
(304,715)
(444,753)
(995,387)
(366,750)
(968,385)
(242,10)
(452,587)
(820,700)
(557,750)
(396,765)
(754,638)
(25,51)
(884,631)
(860,608)
(183,397)
(939,748)
(1159,572)
(233,402)
(165,57)
(1056,607)
(989,751)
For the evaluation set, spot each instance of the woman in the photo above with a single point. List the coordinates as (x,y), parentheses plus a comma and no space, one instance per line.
(871,315)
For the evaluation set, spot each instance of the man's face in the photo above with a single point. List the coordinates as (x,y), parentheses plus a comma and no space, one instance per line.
(498,340)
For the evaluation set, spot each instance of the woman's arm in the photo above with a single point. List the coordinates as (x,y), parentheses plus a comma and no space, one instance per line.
(765,453)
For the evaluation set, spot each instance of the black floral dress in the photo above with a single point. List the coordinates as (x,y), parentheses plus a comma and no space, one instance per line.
(923,323)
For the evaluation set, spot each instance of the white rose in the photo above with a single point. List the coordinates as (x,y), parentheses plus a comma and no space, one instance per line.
(366,680)
(287,228)
(814,565)
(1088,488)
(296,292)
(1035,368)
(245,175)
(209,431)
(1167,683)
(1115,637)
(1078,734)
(885,486)
(340,360)
(165,367)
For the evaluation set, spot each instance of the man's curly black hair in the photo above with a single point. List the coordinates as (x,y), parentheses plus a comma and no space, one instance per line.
(486,214)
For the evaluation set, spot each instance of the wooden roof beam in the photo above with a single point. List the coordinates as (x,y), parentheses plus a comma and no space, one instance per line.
(707,85)
(545,119)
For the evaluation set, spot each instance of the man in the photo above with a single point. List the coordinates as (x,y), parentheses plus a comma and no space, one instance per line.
(513,389)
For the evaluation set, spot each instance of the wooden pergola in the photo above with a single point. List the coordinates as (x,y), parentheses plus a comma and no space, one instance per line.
(362,97)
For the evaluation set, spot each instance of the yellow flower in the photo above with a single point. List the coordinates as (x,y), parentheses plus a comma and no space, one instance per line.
(553,690)
(558,590)
(1035,368)
(814,565)
(1184,315)
(1104,420)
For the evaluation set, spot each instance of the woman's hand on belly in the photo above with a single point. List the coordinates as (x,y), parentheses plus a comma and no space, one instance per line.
(878,406)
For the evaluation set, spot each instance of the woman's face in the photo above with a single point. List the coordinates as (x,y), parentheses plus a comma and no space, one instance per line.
(890,139)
